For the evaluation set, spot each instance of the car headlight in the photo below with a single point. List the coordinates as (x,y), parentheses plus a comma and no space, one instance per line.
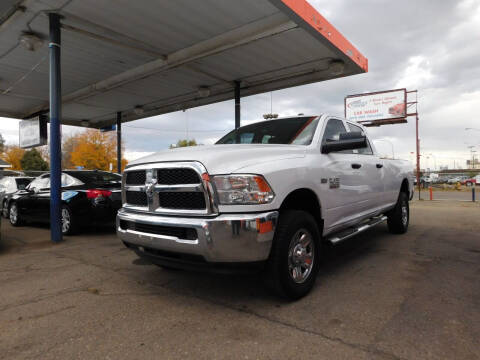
(242,189)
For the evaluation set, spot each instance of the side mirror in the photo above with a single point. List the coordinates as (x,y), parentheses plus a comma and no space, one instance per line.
(346,141)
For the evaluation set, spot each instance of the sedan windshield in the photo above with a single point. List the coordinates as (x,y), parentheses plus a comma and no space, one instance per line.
(297,131)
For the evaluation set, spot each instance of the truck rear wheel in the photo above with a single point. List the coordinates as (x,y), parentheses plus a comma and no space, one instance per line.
(399,216)
(294,259)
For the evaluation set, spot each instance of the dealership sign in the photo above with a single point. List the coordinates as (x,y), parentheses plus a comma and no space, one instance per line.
(377,107)
(33,132)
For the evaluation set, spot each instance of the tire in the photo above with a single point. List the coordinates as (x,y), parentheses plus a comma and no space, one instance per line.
(399,216)
(293,263)
(14,215)
(69,223)
(5,209)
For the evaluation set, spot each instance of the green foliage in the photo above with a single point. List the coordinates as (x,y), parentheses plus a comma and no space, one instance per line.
(32,160)
(184,143)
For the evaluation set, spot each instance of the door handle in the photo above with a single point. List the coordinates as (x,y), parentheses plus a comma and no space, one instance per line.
(356,166)
(379,166)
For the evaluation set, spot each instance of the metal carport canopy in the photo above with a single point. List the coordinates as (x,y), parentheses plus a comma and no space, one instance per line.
(156,55)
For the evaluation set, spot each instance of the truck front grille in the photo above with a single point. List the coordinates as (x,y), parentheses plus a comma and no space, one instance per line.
(177,176)
(182,200)
(136,198)
(169,188)
(136,177)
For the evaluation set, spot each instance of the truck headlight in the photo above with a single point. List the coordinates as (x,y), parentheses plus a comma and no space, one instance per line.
(242,189)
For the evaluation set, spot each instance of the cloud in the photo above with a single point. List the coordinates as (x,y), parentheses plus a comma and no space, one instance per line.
(431,46)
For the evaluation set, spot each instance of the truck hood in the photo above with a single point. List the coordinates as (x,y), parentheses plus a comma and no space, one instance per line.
(225,159)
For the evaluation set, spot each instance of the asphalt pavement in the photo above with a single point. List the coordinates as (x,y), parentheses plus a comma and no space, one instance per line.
(378,296)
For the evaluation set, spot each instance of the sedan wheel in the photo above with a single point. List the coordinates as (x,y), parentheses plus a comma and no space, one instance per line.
(14,216)
(66,221)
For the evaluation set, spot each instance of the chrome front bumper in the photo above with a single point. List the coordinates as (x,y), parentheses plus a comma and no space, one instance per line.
(225,238)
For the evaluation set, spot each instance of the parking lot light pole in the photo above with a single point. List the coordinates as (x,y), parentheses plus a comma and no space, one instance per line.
(55,118)
(119,142)
(237,104)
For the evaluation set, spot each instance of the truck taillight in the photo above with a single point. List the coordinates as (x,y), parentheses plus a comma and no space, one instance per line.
(96,193)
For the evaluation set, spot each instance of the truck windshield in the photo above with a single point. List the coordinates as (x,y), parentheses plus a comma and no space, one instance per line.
(297,131)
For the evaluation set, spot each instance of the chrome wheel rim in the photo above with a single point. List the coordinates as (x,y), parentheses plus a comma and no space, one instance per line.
(301,255)
(13,214)
(404,214)
(65,220)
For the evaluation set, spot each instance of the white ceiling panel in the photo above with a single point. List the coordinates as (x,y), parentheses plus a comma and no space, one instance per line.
(118,54)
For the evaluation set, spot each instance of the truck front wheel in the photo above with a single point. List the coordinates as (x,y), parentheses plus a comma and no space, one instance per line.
(294,258)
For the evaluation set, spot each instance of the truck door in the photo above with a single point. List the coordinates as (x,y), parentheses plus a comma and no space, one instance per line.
(340,185)
(371,176)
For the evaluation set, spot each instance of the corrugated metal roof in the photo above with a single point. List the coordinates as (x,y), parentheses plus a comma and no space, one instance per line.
(118,54)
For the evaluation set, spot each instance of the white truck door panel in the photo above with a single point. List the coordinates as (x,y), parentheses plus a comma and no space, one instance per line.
(340,189)
(340,183)
(372,176)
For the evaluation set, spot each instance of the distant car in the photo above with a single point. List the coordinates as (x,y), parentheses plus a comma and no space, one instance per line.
(441,180)
(457,179)
(471,181)
(8,186)
(89,197)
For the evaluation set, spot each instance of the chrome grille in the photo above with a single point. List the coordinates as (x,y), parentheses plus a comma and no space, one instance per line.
(182,200)
(136,177)
(136,198)
(168,188)
(177,176)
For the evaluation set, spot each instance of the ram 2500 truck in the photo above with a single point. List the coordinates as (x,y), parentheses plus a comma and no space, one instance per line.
(266,196)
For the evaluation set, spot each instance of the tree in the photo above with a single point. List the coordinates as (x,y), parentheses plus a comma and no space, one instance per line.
(184,143)
(95,150)
(32,160)
(68,145)
(2,144)
(13,155)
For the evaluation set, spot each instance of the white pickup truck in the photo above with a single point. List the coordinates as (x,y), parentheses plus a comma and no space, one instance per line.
(265,196)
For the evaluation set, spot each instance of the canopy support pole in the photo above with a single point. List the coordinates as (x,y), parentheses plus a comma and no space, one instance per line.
(119,142)
(237,104)
(55,137)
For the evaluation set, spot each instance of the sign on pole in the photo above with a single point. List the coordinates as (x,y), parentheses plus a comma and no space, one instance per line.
(377,108)
(33,132)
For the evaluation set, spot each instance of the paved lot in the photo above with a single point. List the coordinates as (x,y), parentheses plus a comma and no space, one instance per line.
(379,296)
(465,195)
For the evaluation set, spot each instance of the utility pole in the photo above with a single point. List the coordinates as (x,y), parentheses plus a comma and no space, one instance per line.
(471,147)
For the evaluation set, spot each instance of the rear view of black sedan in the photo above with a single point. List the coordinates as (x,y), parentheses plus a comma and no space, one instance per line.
(89,197)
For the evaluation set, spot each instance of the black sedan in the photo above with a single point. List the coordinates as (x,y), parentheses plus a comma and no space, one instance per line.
(8,186)
(89,197)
